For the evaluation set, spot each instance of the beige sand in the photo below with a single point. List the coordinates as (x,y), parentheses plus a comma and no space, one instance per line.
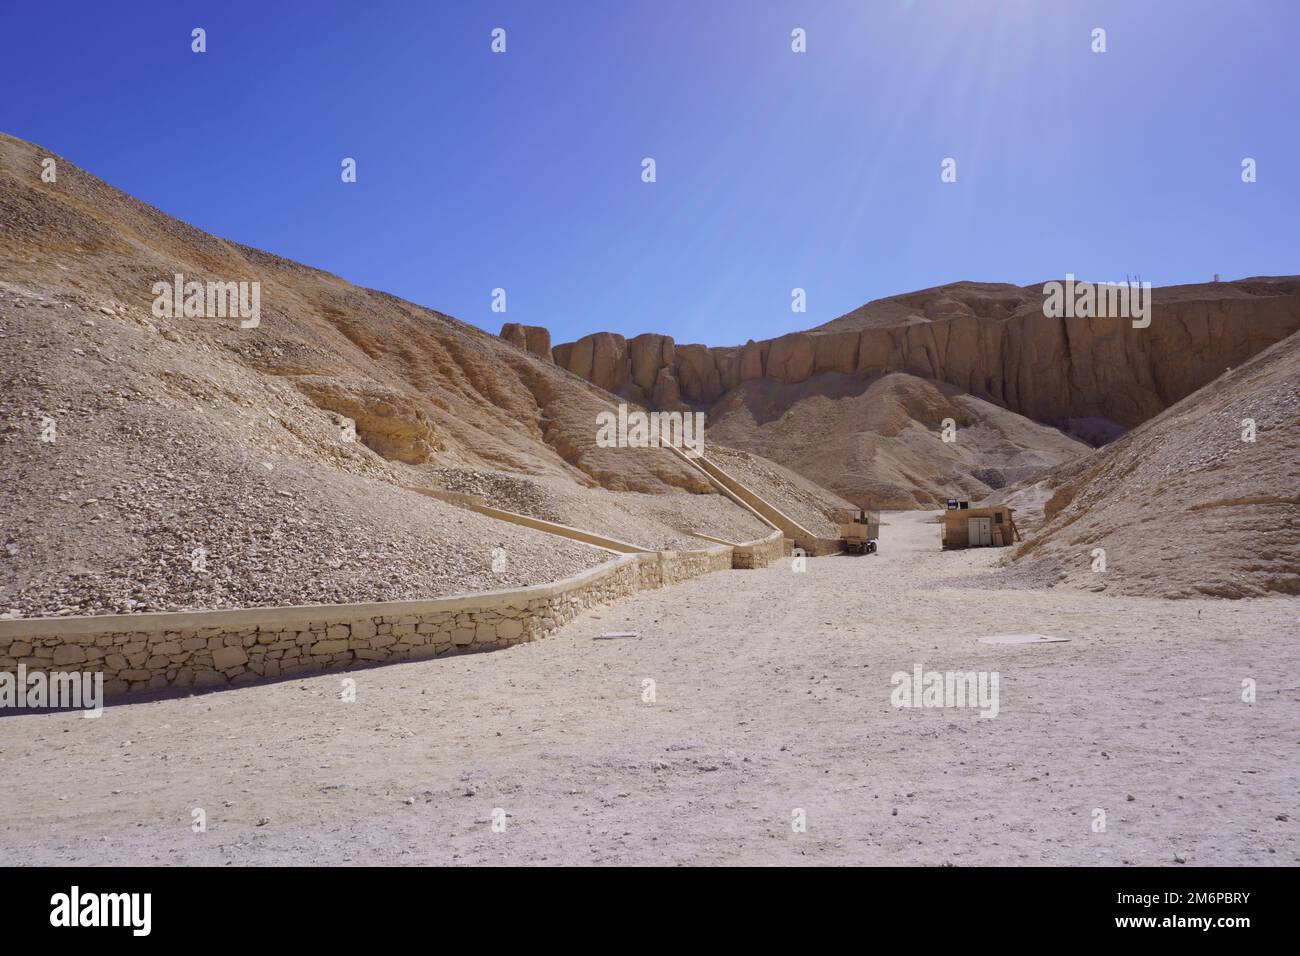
(773,693)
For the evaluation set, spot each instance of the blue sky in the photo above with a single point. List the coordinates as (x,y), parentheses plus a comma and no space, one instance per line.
(775,170)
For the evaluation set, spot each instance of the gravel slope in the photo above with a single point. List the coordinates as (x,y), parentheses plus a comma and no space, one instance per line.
(807,503)
(878,441)
(146,469)
(660,521)
(1181,505)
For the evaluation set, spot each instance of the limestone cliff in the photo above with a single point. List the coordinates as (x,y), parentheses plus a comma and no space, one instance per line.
(991,341)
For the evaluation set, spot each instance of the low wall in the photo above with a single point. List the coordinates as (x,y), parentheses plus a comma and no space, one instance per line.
(475,503)
(669,567)
(819,547)
(759,553)
(768,513)
(138,652)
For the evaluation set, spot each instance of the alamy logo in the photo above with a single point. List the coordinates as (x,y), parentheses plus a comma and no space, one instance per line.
(213,300)
(103,909)
(638,429)
(946,689)
(60,690)
(1100,300)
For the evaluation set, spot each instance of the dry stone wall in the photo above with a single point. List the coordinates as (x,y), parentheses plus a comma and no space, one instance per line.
(760,553)
(219,648)
(671,567)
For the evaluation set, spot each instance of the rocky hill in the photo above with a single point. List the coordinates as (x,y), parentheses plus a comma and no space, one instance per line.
(1203,499)
(878,439)
(282,456)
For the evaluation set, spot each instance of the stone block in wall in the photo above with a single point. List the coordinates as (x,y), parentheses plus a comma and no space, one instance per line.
(328,647)
(68,654)
(225,658)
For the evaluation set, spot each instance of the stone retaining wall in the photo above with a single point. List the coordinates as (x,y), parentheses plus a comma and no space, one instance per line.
(819,547)
(760,553)
(670,567)
(138,652)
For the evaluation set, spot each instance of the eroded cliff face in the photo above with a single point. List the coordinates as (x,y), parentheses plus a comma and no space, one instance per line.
(991,341)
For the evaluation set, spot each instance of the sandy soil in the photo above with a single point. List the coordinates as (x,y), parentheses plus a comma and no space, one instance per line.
(772,693)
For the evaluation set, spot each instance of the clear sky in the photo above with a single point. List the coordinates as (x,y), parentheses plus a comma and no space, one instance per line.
(775,170)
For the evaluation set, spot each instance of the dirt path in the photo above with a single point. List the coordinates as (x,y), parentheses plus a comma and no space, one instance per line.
(772,694)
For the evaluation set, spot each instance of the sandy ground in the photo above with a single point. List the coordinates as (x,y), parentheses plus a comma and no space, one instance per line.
(772,694)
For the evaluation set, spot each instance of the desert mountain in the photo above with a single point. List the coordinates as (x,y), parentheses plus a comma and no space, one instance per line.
(856,403)
(989,340)
(1202,499)
(137,446)
(876,438)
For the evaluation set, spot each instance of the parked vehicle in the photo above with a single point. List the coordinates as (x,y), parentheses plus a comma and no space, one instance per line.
(859,530)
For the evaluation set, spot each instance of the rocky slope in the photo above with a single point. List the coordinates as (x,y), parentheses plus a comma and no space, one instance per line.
(878,439)
(285,452)
(1182,505)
